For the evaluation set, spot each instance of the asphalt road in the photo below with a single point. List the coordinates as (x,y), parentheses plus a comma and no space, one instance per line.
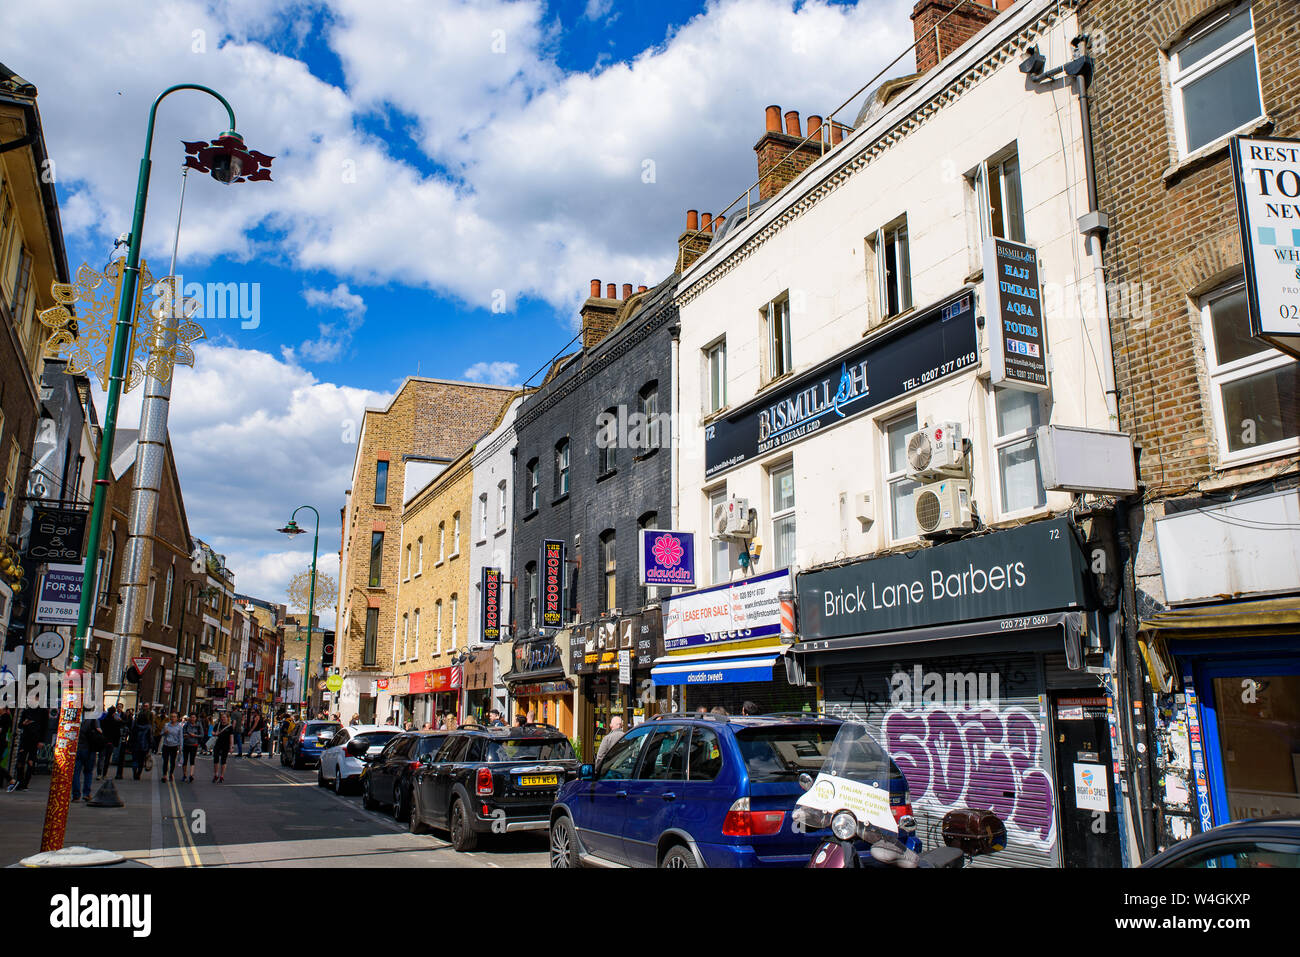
(267,815)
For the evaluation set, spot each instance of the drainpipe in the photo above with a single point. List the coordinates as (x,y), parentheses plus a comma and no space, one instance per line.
(1133,694)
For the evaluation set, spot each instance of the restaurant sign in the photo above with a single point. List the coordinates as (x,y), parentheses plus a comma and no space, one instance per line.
(491,599)
(595,646)
(551,608)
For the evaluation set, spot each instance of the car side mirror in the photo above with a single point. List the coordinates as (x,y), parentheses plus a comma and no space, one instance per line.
(587,772)
(425,760)
(973,831)
(356,748)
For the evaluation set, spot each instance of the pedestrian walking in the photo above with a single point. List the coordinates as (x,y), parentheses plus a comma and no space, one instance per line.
(127,719)
(449,724)
(238,724)
(157,719)
(6,734)
(222,738)
(33,726)
(90,742)
(255,735)
(521,720)
(612,738)
(192,736)
(173,736)
(141,742)
(111,728)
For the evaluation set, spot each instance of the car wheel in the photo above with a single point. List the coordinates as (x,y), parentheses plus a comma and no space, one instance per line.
(417,819)
(297,763)
(564,843)
(463,837)
(400,810)
(338,782)
(679,856)
(367,801)
(320,775)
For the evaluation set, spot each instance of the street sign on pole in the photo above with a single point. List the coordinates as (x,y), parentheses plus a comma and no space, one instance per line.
(48,645)
(141,664)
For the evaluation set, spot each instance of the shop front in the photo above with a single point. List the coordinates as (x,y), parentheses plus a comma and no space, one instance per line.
(399,696)
(959,658)
(538,685)
(722,648)
(436,692)
(479,671)
(611,659)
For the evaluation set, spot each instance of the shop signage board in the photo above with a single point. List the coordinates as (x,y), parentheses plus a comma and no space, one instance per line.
(1091,791)
(940,342)
(1266,174)
(1014,302)
(57,534)
(737,611)
(625,667)
(60,596)
(551,607)
(1009,574)
(490,597)
(538,654)
(595,646)
(667,558)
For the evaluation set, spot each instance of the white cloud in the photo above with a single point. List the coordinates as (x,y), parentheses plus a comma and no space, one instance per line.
(596,9)
(494,373)
(340,297)
(335,337)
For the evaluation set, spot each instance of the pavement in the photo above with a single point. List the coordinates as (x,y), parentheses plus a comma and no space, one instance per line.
(263,815)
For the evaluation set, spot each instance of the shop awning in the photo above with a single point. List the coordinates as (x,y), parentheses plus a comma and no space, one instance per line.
(712,670)
(1231,619)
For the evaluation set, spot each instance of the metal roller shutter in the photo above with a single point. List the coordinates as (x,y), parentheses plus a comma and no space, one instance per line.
(770,696)
(961,753)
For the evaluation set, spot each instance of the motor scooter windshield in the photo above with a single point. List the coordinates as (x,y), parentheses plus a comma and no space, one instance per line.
(856,755)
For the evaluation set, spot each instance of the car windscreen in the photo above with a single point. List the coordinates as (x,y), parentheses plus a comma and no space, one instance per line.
(528,749)
(322,728)
(375,739)
(783,753)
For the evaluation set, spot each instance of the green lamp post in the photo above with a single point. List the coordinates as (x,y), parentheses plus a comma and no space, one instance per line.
(293,529)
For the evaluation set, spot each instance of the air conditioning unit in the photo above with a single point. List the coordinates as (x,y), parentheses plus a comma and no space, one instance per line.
(731,519)
(936,452)
(943,506)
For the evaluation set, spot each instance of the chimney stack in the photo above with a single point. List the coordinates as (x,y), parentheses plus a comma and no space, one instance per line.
(692,243)
(599,316)
(611,290)
(627,291)
(935,42)
(780,156)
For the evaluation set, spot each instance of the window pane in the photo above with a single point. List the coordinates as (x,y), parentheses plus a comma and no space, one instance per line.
(381,483)
(1017,410)
(1222,100)
(705,759)
(1230,321)
(902,502)
(1257,738)
(1022,485)
(376,558)
(904,273)
(1014,214)
(783,489)
(1220,36)
(665,757)
(783,532)
(1261,408)
(995,202)
(896,434)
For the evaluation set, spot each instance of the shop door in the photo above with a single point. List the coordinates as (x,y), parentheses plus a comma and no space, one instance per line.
(1086,799)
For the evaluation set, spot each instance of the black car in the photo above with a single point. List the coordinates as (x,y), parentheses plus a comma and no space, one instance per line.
(1258,842)
(491,780)
(307,742)
(386,780)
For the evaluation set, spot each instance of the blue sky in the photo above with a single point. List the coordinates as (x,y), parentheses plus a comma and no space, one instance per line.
(433,158)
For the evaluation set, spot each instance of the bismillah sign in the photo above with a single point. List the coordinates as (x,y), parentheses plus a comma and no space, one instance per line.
(1012,295)
(939,343)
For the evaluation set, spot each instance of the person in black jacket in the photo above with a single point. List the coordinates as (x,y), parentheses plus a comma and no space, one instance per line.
(111,730)
(225,731)
(141,741)
(90,743)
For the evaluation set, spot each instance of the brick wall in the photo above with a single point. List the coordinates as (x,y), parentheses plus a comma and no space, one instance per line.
(1174,231)
(961,20)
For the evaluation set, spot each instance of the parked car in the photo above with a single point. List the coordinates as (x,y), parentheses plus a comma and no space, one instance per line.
(304,747)
(386,781)
(347,752)
(1257,842)
(498,780)
(699,791)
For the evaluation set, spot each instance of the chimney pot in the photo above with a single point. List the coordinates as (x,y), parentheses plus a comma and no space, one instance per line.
(792,123)
(837,133)
(611,290)
(717,223)
(627,290)
(774,119)
(814,127)
(640,288)
(595,289)
(692,219)
(706,222)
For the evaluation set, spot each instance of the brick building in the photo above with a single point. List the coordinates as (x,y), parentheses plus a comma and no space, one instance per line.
(1216,539)
(427,424)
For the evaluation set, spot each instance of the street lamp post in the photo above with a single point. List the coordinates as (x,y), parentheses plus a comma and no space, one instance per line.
(293,529)
(227,159)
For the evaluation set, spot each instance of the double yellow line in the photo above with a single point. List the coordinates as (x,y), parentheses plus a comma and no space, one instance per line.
(184,842)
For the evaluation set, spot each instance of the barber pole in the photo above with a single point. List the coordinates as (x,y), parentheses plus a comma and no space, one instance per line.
(786,599)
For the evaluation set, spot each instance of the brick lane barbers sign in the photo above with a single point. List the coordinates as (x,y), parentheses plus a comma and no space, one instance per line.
(1267,180)
(1021,571)
(490,593)
(939,343)
(551,607)
(57,534)
(1013,299)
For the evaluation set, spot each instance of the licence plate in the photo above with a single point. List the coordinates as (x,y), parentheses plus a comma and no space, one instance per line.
(538,780)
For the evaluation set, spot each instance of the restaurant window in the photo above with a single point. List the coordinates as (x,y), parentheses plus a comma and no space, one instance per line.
(1214,79)
(1253,386)
(609,566)
(902,490)
(369,650)
(562,467)
(532,485)
(783,516)
(998,198)
(381,483)
(715,366)
(719,550)
(893,269)
(776,323)
(376,559)
(1018,415)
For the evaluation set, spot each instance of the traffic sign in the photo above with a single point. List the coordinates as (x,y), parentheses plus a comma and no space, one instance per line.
(48,645)
(141,664)
(334,682)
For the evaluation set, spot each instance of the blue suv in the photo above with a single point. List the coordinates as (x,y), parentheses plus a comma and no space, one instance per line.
(694,791)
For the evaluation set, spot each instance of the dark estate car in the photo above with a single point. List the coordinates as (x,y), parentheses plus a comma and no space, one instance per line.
(491,780)
(387,779)
(306,744)
(1258,842)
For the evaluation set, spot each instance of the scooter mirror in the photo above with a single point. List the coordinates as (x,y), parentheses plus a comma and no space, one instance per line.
(805,780)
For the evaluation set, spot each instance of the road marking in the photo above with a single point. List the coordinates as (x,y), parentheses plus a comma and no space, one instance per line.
(189,853)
